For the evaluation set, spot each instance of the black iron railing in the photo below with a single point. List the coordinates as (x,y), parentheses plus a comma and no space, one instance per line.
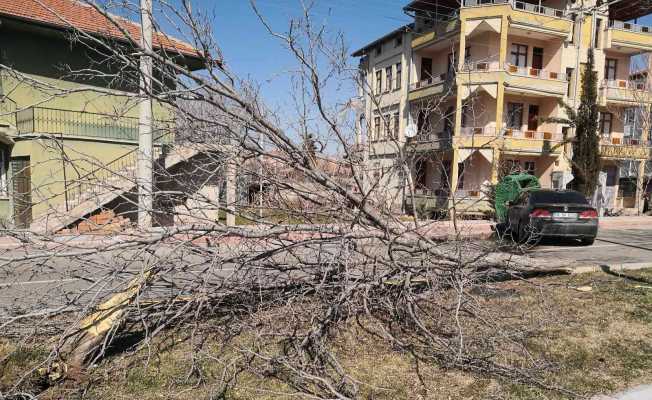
(43,120)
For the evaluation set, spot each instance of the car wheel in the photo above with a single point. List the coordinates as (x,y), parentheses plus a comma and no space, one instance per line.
(588,241)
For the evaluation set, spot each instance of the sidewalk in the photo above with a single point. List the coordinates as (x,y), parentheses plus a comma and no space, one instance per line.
(436,230)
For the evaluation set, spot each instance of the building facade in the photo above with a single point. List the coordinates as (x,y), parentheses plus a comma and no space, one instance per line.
(59,128)
(479,97)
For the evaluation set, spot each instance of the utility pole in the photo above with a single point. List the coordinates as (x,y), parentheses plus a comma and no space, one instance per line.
(144,172)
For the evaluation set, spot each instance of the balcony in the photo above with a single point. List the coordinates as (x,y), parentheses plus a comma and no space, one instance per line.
(51,121)
(430,141)
(624,91)
(625,148)
(534,142)
(435,31)
(527,17)
(527,80)
(434,86)
(628,38)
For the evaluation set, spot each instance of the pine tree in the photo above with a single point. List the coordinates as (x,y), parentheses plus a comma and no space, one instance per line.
(586,143)
(586,146)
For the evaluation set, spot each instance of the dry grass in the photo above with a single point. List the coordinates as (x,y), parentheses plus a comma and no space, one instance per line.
(599,341)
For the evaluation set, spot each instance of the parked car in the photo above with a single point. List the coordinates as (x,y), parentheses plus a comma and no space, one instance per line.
(542,213)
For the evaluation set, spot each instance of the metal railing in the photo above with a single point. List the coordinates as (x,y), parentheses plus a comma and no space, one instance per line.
(103,178)
(487,64)
(478,131)
(625,141)
(43,120)
(535,72)
(427,137)
(625,84)
(534,135)
(432,81)
(519,5)
(628,26)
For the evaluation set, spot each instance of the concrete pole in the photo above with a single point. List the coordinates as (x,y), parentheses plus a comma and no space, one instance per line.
(144,163)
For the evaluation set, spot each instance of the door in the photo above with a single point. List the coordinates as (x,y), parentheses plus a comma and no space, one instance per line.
(426,68)
(533,118)
(537,58)
(22,191)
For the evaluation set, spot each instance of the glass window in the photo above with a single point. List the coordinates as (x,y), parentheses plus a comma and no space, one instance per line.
(610,68)
(514,115)
(379,81)
(388,78)
(376,134)
(397,124)
(399,73)
(398,41)
(553,197)
(605,123)
(529,167)
(519,55)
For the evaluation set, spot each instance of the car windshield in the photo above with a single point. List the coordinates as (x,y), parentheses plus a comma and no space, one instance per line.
(551,197)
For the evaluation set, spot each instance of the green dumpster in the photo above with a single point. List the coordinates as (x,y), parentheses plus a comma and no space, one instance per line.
(509,188)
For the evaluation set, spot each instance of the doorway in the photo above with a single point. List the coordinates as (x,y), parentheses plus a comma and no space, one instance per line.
(533,118)
(426,68)
(537,58)
(22,191)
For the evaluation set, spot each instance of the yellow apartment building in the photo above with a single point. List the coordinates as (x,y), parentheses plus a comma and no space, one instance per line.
(466,93)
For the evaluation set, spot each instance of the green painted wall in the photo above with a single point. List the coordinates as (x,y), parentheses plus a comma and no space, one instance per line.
(41,55)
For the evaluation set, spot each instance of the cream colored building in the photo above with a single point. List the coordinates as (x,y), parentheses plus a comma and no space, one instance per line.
(465,94)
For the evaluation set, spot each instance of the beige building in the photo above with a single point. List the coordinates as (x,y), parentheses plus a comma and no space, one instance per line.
(466,94)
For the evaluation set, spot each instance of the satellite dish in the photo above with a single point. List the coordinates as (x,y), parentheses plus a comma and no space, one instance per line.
(410,130)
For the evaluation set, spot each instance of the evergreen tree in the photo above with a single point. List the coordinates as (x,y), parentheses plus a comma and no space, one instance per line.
(586,146)
(586,143)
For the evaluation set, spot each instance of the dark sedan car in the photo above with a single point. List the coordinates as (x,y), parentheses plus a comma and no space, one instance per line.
(553,213)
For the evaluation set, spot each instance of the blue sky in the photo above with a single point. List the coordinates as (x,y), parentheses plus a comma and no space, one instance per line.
(250,52)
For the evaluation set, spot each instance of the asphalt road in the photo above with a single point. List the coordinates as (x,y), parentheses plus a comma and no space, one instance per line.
(612,248)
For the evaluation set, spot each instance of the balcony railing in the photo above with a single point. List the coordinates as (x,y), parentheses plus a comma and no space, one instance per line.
(625,84)
(429,137)
(534,135)
(625,141)
(432,81)
(489,64)
(519,5)
(42,120)
(627,26)
(535,72)
(478,131)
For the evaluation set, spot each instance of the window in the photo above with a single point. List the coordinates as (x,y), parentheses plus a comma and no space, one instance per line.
(399,72)
(386,121)
(514,115)
(398,41)
(379,81)
(397,125)
(519,55)
(537,58)
(610,67)
(569,76)
(3,175)
(460,175)
(529,167)
(379,50)
(376,134)
(388,78)
(605,123)
(596,36)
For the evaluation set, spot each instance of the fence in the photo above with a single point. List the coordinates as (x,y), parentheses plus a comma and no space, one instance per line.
(81,123)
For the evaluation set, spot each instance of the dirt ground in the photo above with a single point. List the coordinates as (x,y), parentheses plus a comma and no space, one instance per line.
(594,329)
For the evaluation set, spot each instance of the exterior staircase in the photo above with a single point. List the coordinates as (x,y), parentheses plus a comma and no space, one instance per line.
(94,191)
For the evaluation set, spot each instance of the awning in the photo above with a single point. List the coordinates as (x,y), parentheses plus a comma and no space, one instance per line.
(489,88)
(464,154)
(483,25)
